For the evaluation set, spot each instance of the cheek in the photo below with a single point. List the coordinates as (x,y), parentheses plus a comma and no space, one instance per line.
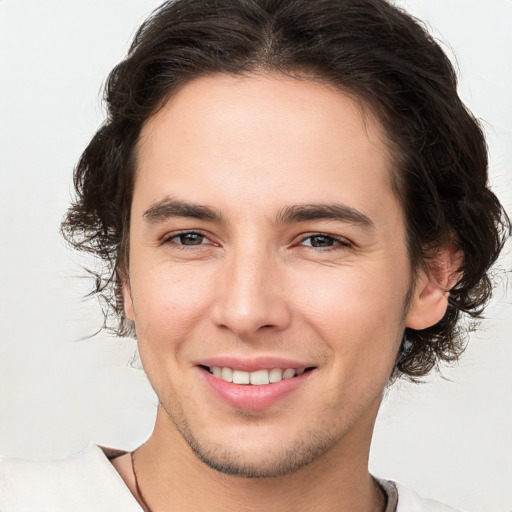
(169,301)
(359,316)
(352,298)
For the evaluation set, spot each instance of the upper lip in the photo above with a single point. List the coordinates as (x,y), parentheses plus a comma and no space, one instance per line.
(253,364)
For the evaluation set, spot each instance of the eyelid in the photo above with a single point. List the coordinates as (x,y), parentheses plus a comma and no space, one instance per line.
(168,237)
(341,241)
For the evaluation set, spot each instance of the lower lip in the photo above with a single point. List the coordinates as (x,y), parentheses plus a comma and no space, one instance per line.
(250,397)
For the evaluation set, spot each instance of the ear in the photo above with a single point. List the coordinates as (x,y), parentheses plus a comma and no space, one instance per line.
(431,291)
(127,296)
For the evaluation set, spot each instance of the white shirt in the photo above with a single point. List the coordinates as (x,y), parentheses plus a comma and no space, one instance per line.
(88,482)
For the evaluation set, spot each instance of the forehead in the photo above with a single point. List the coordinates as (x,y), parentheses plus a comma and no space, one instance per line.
(264,140)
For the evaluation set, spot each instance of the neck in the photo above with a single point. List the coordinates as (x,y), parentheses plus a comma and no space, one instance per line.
(169,472)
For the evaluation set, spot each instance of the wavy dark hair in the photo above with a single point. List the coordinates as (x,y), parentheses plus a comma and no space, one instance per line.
(367,48)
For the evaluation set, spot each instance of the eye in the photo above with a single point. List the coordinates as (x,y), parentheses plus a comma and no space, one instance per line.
(322,241)
(188,238)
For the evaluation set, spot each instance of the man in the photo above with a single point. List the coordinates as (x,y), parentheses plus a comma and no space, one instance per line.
(291,202)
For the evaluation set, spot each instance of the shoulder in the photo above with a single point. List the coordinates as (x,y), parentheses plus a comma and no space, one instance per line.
(410,501)
(83,482)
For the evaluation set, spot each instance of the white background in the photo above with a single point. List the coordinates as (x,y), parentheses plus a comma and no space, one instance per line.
(449,439)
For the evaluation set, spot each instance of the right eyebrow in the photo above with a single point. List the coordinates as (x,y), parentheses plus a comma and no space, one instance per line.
(168,208)
(330,211)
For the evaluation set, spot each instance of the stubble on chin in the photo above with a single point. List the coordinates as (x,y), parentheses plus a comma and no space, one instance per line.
(235,460)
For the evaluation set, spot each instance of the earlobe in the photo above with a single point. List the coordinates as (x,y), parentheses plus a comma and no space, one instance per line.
(430,298)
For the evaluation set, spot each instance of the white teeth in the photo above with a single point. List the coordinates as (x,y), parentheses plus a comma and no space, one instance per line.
(256,378)
(259,377)
(288,373)
(240,377)
(227,374)
(275,375)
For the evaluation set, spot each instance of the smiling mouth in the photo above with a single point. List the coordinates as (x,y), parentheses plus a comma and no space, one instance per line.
(256,378)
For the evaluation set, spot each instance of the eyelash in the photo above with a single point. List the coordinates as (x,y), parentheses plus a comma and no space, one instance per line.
(337,242)
(169,239)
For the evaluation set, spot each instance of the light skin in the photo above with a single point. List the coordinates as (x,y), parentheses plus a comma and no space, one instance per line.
(265,231)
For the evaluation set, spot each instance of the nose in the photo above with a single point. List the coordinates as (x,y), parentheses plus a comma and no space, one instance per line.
(252,295)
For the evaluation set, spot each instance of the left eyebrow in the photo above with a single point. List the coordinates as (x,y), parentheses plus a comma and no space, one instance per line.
(169,208)
(331,211)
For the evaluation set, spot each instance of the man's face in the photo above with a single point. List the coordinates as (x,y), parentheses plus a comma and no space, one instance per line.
(265,235)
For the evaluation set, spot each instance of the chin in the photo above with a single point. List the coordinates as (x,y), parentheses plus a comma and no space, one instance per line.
(259,458)
(252,465)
